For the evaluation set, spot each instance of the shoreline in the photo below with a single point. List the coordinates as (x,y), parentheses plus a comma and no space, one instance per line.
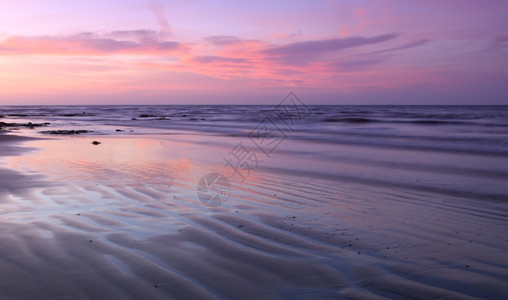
(12,181)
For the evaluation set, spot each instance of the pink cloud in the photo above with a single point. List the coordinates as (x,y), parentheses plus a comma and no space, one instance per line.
(233,57)
(220,57)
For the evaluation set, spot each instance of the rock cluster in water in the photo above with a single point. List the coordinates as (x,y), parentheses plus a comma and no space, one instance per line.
(65,132)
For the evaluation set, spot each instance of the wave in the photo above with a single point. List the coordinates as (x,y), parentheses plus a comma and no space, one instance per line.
(394,121)
(351,120)
(454,128)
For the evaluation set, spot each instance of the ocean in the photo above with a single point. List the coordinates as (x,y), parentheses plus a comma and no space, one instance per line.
(467,129)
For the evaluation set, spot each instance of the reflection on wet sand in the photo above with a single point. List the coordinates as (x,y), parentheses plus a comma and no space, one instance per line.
(121,220)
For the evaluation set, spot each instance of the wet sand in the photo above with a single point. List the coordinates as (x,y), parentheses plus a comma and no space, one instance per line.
(122,220)
(13,182)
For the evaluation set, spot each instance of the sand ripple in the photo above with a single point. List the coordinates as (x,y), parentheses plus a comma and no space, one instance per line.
(270,241)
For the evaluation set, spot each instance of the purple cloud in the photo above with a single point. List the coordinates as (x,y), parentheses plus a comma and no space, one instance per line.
(409,45)
(110,45)
(223,40)
(140,41)
(218,59)
(134,35)
(169,46)
(499,43)
(317,47)
(122,40)
(358,64)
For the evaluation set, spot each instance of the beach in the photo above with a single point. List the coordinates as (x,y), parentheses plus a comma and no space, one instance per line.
(346,202)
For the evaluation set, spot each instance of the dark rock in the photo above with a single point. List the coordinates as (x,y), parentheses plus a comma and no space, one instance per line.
(96,142)
(29,124)
(65,132)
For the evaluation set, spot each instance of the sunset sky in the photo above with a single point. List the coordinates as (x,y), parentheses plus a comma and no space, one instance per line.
(253,52)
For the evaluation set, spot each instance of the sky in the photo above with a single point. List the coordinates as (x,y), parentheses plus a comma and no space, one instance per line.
(253,52)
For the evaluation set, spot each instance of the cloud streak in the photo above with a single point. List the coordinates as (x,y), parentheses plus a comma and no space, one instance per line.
(218,59)
(303,53)
(407,46)
(223,40)
(159,14)
(316,47)
(358,64)
(87,43)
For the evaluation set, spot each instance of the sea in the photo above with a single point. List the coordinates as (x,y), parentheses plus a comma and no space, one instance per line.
(481,130)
